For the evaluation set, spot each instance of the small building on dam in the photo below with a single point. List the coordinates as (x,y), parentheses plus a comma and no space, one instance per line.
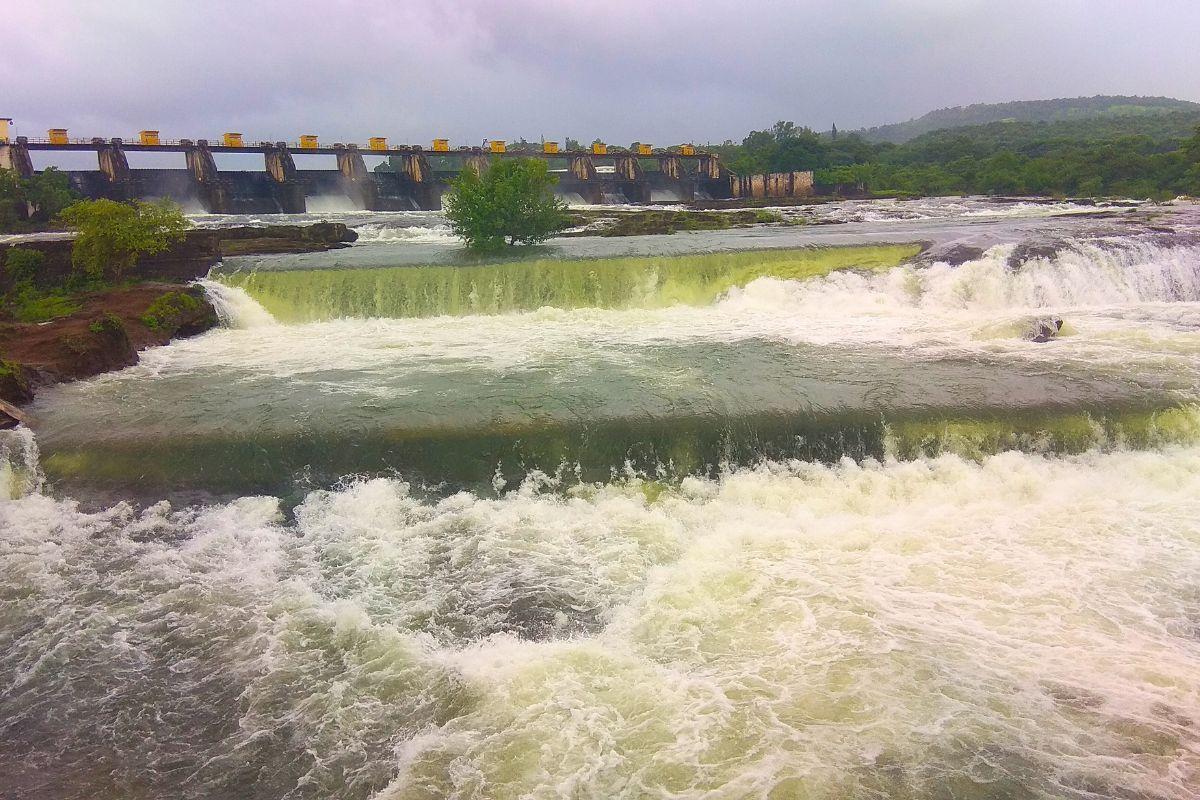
(406,177)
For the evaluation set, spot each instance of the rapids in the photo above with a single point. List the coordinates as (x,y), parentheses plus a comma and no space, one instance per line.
(643,522)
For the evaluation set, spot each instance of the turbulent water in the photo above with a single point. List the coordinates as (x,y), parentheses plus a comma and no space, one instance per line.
(710,524)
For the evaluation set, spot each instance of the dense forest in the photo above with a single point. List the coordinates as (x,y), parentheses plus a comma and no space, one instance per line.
(1063,109)
(1157,158)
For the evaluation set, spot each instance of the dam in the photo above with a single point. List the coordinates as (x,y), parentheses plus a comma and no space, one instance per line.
(410,177)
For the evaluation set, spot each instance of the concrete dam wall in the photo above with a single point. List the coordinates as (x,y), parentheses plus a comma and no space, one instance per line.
(410,178)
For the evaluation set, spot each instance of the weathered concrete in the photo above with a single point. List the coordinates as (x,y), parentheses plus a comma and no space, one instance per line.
(477,161)
(357,182)
(671,167)
(289,193)
(409,181)
(15,156)
(415,166)
(582,168)
(773,184)
(628,168)
(212,191)
(709,166)
(115,169)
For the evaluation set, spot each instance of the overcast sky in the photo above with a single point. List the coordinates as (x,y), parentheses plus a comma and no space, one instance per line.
(656,70)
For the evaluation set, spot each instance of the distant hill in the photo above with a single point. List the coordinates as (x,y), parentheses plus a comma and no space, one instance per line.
(1129,110)
(1164,132)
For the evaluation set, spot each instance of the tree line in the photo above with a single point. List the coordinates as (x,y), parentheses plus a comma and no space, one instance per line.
(1008,158)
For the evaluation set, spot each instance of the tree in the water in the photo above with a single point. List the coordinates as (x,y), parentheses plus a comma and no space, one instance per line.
(510,203)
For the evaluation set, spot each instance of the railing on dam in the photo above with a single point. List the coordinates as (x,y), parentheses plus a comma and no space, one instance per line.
(411,177)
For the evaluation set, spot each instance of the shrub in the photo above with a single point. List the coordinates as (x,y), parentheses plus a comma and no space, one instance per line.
(109,323)
(22,263)
(113,236)
(169,310)
(509,203)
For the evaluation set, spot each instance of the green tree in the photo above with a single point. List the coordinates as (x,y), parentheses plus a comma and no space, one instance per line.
(39,198)
(112,236)
(12,200)
(510,203)
(49,193)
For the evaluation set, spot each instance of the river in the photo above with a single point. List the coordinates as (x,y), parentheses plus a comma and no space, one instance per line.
(721,514)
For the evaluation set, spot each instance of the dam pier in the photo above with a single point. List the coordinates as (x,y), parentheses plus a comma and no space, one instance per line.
(409,177)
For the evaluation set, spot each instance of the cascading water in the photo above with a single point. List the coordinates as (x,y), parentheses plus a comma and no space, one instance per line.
(301,295)
(722,525)
(235,308)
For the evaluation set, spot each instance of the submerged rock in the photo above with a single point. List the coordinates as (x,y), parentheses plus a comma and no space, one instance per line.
(257,240)
(1043,329)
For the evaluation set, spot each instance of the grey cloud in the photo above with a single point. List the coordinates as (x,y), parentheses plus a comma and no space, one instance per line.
(620,70)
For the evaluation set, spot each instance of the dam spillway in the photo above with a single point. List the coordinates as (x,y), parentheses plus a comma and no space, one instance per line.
(410,178)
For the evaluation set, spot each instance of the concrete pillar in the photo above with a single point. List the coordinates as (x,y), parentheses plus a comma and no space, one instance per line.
(671,167)
(112,159)
(478,161)
(115,168)
(357,182)
(582,168)
(279,163)
(627,168)
(710,167)
(289,191)
(416,166)
(211,190)
(15,156)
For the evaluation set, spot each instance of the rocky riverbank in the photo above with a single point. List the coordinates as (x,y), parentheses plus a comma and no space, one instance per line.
(106,333)
(104,329)
(195,255)
(622,222)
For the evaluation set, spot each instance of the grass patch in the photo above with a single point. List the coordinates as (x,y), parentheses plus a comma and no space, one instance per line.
(39,307)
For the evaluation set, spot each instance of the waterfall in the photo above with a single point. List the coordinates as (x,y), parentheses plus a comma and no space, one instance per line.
(20,472)
(613,283)
(235,307)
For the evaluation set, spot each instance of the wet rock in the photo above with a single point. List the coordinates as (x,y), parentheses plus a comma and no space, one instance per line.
(955,255)
(105,334)
(265,239)
(1043,329)
(1027,251)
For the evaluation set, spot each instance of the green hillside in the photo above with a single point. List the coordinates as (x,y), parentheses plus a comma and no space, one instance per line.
(1135,113)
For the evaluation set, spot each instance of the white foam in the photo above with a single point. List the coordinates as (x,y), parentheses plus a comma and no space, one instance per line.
(852,630)
(235,308)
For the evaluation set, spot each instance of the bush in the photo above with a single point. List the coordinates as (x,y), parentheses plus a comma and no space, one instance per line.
(113,236)
(169,310)
(22,264)
(109,323)
(509,203)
